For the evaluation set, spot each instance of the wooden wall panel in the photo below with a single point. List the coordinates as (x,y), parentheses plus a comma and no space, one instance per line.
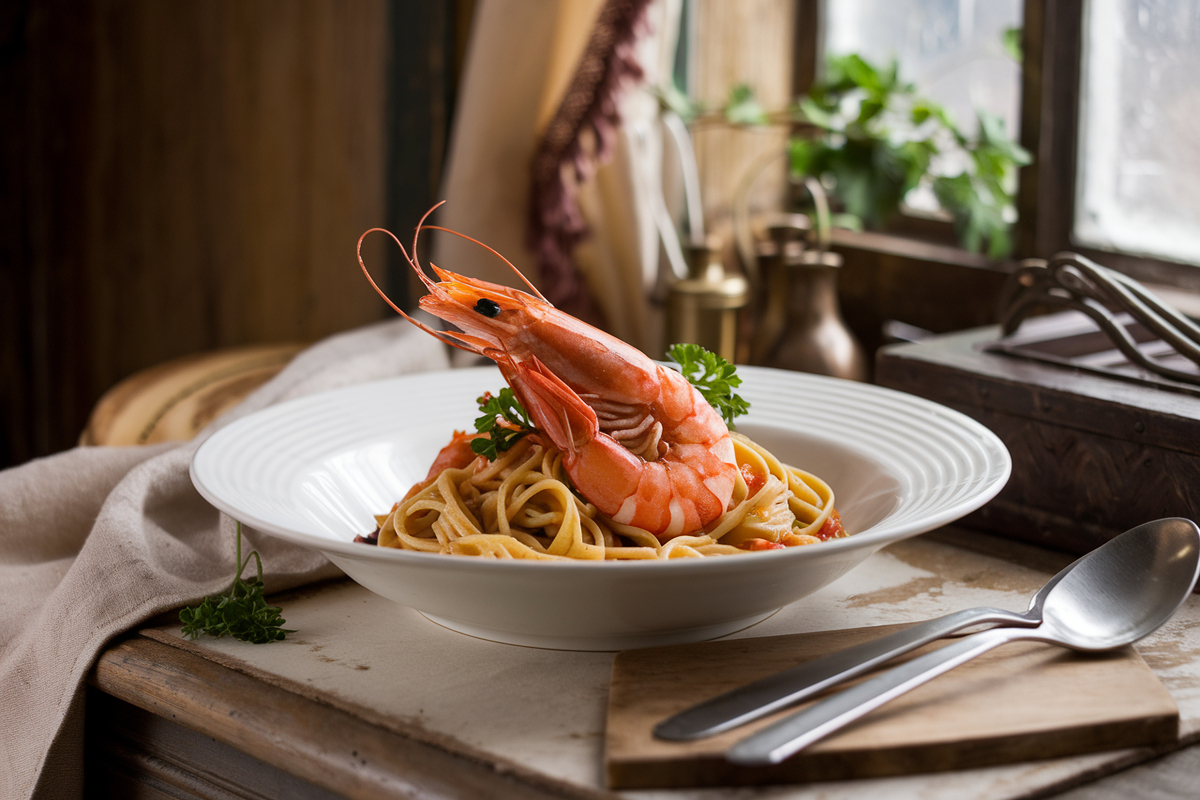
(741,42)
(179,177)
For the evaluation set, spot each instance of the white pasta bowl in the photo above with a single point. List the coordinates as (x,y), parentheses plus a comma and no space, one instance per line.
(315,470)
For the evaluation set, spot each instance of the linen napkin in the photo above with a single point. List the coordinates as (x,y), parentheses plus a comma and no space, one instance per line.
(95,540)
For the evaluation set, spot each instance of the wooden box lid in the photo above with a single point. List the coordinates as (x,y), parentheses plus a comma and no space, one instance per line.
(1094,454)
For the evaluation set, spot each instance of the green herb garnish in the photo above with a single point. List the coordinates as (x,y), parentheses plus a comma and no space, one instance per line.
(713,376)
(505,421)
(242,612)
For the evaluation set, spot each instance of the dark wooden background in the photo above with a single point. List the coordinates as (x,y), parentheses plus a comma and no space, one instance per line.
(179,177)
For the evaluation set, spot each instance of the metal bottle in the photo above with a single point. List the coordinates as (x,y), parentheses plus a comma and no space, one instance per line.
(704,307)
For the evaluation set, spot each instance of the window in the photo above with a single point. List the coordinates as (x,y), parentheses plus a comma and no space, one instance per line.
(1105,106)
(952,50)
(1138,187)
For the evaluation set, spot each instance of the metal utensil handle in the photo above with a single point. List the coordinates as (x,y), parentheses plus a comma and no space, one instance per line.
(774,692)
(775,743)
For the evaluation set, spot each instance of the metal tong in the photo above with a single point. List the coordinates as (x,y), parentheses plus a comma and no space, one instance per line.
(1068,280)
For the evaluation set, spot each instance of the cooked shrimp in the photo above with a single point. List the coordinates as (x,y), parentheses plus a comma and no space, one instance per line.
(638,441)
(455,455)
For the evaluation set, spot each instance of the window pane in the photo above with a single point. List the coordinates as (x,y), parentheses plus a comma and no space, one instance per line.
(952,50)
(1138,186)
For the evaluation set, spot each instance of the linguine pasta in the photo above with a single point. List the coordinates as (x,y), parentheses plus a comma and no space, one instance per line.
(522,506)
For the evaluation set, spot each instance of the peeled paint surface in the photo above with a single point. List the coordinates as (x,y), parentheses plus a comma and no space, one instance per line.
(545,709)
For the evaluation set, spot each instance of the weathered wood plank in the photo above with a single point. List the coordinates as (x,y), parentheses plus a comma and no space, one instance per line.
(132,753)
(326,746)
(973,716)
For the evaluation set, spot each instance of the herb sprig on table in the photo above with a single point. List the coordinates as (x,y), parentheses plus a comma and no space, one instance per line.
(242,612)
(714,377)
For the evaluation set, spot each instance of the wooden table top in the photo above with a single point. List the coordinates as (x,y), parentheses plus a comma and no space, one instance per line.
(370,699)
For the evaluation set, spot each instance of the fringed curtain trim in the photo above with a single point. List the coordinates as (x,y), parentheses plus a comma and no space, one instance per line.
(562,160)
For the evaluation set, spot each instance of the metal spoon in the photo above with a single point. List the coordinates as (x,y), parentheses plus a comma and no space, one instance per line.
(1114,596)
(774,692)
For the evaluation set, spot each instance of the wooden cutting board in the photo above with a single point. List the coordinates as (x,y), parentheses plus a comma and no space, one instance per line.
(1019,702)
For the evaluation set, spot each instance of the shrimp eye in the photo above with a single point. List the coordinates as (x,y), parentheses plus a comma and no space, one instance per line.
(489,308)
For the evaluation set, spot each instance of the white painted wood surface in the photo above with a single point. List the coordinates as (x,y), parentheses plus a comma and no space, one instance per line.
(545,709)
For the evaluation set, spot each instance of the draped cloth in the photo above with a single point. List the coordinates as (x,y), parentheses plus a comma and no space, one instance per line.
(567,85)
(580,135)
(95,540)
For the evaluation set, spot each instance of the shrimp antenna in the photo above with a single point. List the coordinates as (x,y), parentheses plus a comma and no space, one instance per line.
(511,266)
(441,336)
(415,261)
(453,338)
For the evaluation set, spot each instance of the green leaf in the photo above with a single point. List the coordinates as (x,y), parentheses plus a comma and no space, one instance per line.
(816,114)
(675,99)
(743,108)
(505,421)
(1010,38)
(860,189)
(993,134)
(802,155)
(242,612)
(916,157)
(977,218)
(868,110)
(954,192)
(714,377)
(924,110)
(862,74)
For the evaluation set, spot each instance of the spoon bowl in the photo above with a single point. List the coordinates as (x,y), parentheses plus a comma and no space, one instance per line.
(1128,589)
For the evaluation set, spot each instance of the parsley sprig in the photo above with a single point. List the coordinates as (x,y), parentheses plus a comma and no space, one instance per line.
(242,612)
(713,376)
(505,421)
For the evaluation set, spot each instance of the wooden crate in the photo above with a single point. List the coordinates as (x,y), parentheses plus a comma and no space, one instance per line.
(1094,454)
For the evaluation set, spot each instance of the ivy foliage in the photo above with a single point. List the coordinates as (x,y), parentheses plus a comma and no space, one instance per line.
(871,139)
(877,140)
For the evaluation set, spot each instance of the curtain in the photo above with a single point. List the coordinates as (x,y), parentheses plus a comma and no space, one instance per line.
(524,57)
